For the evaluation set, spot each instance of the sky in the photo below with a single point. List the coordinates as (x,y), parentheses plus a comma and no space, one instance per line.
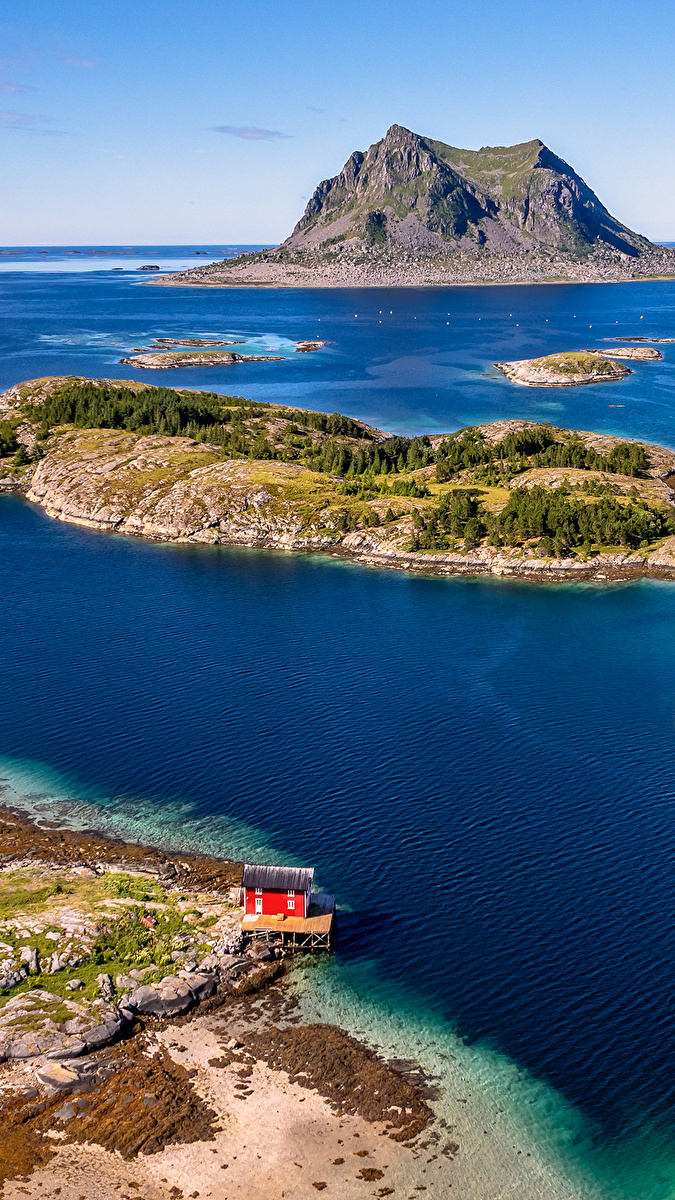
(210,121)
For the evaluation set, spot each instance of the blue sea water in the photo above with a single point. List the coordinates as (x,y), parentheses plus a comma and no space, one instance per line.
(102,259)
(481,770)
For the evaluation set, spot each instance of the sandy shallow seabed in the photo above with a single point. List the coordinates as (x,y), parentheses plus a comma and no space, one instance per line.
(280,1142)
(518,1139)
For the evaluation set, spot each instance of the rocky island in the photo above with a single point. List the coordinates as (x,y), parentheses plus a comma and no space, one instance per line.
(505,498)
(638,353)
(414,211)
(156,360)
(572,368)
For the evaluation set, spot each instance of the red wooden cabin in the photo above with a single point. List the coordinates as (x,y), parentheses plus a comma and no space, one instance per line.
(277,891)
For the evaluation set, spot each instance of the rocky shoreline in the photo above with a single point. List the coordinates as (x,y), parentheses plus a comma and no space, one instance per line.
(250,531)
(163,360)
(148,1073)
(564,370)
(377,268)
(190,490)
(247,527)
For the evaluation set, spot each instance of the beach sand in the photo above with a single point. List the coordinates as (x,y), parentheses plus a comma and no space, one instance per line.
(275,1139)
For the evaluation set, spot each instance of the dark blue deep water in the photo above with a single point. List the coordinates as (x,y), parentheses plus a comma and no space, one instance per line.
(482,771)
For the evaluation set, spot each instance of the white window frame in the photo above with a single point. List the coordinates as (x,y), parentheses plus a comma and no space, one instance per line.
(258,891)
(290,903)
(290,892)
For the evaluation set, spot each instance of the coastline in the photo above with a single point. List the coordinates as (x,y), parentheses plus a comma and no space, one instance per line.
(372,268)
(361,548)
(172,281)
(304,1083)
(282,479)
(227,1078)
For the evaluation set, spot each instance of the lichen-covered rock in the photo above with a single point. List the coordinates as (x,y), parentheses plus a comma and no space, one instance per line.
(39,1022)
(175,489)
(105,986)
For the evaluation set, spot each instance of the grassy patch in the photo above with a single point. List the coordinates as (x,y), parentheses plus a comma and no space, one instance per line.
(32,1021)
(576,362)
(15,896)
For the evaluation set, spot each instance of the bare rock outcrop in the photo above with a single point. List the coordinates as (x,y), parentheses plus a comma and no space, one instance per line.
(172,489)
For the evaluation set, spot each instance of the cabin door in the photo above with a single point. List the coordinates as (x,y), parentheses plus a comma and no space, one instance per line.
(258,904)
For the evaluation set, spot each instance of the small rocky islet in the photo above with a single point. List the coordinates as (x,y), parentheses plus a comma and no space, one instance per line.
(653,341)
(203,353)
(575,368)
(156,360)
(511,497)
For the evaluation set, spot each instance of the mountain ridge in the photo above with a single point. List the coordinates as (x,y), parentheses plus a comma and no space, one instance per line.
(454,193)
(412,209)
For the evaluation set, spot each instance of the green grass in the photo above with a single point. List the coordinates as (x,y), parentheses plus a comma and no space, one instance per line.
(32,1022)
(575,362)
(123,942)
(15,897)
(130,887)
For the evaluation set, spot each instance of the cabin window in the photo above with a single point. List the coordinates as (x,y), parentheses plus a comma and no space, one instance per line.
(258,891)
(291,904)
(291,892)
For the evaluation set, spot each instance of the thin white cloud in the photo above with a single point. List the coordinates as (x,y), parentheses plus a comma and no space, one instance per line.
(15,120)
(86,63)
(250,133)
(12,88)
(27,123)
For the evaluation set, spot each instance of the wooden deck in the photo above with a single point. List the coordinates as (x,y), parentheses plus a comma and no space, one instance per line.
(313,932)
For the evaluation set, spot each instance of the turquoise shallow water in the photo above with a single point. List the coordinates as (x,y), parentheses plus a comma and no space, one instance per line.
(481,770)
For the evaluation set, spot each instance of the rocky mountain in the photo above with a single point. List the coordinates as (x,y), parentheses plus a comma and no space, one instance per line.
(416,193)
(413,210)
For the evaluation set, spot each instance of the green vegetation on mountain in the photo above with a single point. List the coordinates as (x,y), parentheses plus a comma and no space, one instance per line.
(331,443)
(502,197)
(419,194)
(412,210)
(8,442)
(87,405)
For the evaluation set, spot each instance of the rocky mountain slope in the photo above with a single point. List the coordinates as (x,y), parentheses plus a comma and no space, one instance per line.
(413,209)
(511,497)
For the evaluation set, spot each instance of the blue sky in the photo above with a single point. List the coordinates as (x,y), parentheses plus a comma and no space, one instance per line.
(212,121)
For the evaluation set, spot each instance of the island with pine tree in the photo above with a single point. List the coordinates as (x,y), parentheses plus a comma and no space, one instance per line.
(510,497)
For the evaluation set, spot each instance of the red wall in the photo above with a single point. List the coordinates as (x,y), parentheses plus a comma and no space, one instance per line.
(276,902)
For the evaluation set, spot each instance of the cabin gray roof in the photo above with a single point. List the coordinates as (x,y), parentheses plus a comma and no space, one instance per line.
(281,878)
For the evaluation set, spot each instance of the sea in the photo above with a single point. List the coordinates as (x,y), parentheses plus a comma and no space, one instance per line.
(481,770)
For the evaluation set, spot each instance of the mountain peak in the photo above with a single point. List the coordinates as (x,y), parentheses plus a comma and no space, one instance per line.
(397,133)
(412,193)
